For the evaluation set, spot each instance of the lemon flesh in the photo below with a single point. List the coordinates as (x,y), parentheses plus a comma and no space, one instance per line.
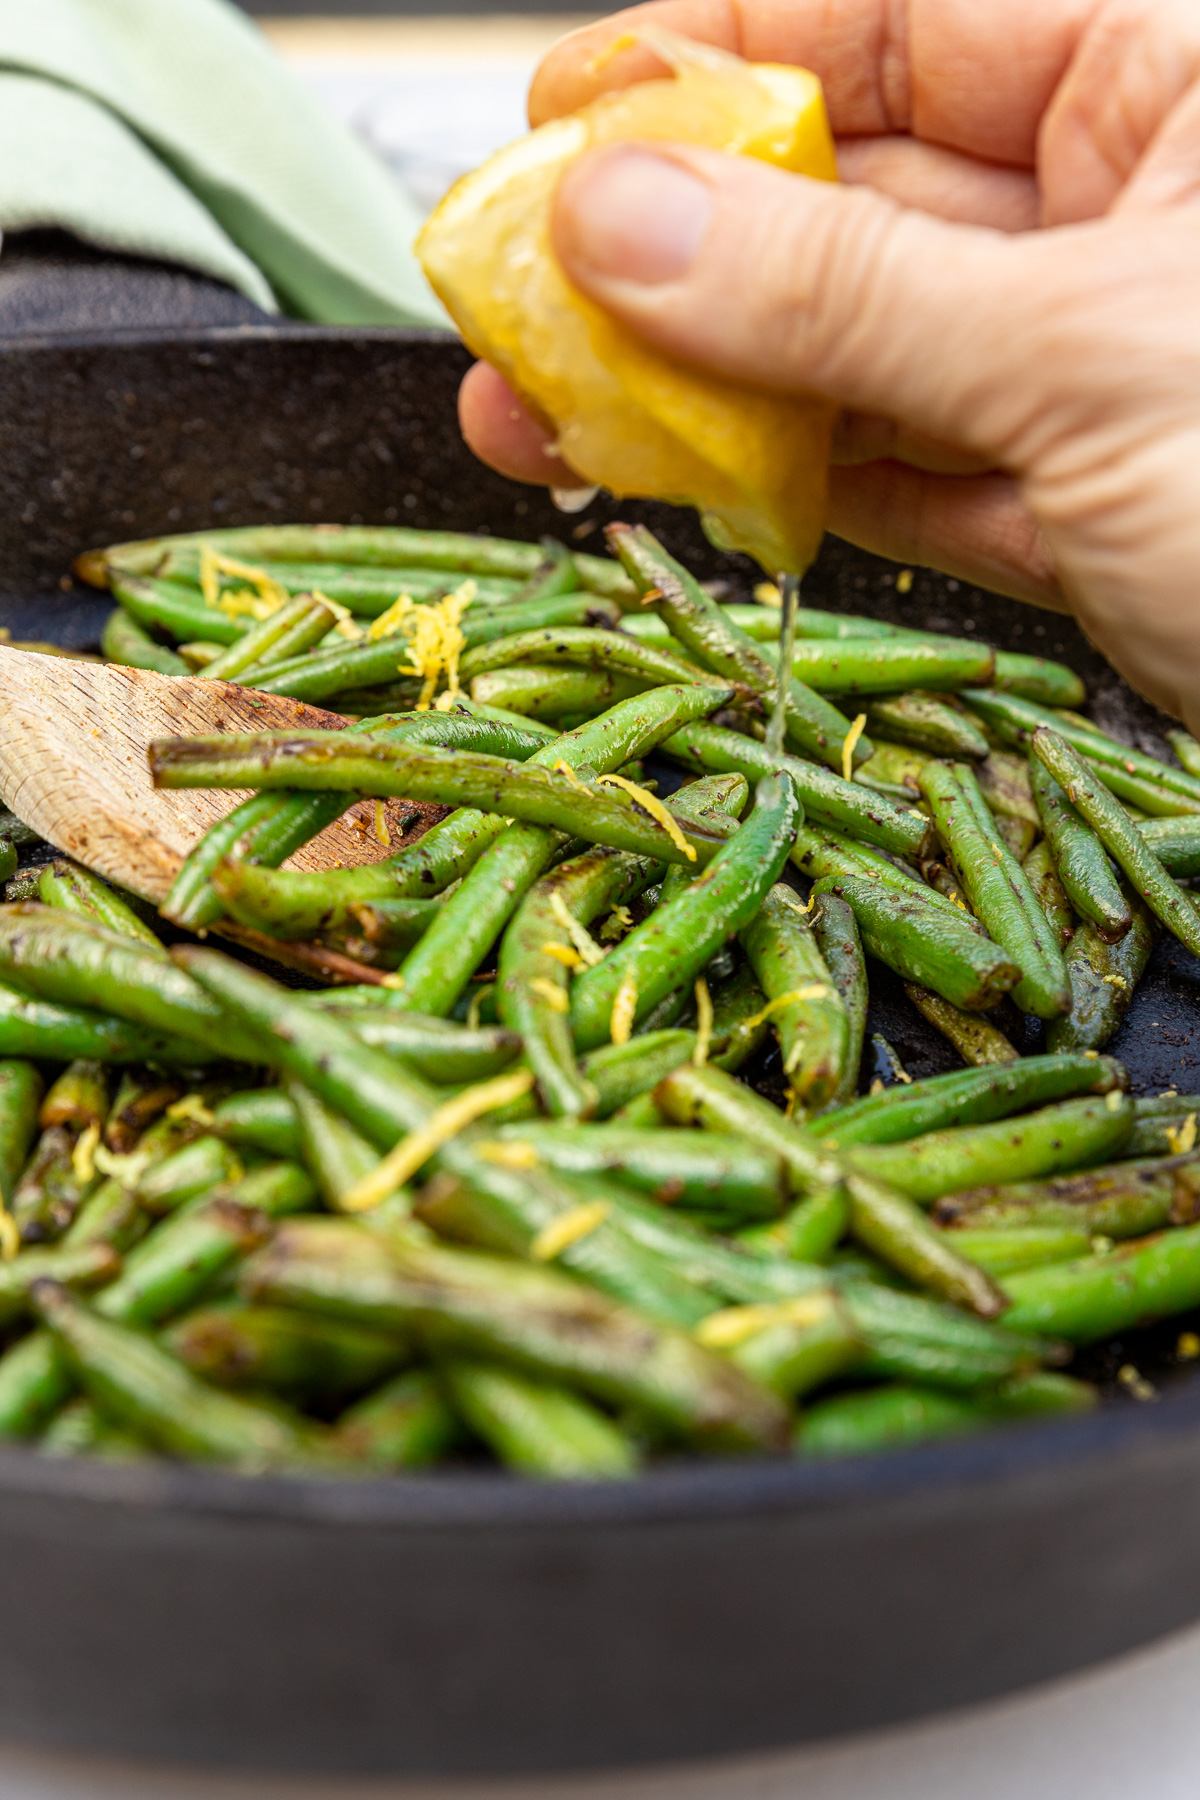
(627,417)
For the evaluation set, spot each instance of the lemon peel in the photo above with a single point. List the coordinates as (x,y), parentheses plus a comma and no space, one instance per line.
(579,1222)
(626,417)
(653,805)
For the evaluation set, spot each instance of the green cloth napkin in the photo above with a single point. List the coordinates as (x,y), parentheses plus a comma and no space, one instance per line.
(170,129)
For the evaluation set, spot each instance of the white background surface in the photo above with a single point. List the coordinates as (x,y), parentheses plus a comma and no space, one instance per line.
(434,98)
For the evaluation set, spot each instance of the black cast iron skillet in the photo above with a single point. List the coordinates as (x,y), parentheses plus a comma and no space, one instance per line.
(468,1621)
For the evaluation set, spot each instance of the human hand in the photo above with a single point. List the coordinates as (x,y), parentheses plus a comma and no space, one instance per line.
(1022,406)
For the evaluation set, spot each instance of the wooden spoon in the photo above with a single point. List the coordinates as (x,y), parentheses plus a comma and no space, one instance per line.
(73,766)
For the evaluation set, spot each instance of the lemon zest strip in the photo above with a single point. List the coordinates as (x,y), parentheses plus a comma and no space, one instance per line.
(406,1157)
(653,805)
(588,949)
(704,1023)
(850,744)
(569,1227)
(555,997)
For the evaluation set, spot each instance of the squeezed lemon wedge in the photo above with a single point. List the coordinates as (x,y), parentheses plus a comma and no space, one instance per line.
(628,418)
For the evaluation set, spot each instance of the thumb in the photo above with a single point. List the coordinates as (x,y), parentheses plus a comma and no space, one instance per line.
(799,285)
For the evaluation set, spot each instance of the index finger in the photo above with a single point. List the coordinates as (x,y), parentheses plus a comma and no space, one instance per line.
(974,75)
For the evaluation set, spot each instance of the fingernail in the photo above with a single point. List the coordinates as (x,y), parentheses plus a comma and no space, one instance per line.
(631,216)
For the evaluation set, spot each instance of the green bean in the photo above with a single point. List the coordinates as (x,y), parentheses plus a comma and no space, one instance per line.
(294,903)
(405,1424)
(289,631)
(380,933)
(539,1429)
(367,546)
(927,945)
(807,1232)
(1158,1122)
(21,1089)
(112,1213)
(75,889)
(1068,1135)
(893,768)
(1120,837)
(1103,978)
(306,1360)
(533,1318)
(820,853)
(1037,678)
(1176,843)
(50,1190)
(141,1096)
(579,647)
(383,1102)
(1130,774)
(1186,749)
(81,1430)
(124,641)
(619,1073)
(366,592)
(335,669)
(887,1222)
(885,1418)
(828,800)
(683,1169)
(837,939)
(740,1022)
(535,727)
(180,1259)
(880,665)
(812,1022)
(998,889)
(1021,1247)
(966,1097)
(198,654)
(1120,1200)
(140,1386)
(34,1382)
(709,637)
(439,1051)
(260,1118)
(1083,868)
(1100,1296)
(673,945)
(791,1348)
(79,1097)
(336,1156)
(758,622)
(88,1266)
(713,1100)
(1033,676)
(532,792)
(521,1219)
(185,1174)
(1043,878)
(539,692)
(354,546)
(532,981)
(55,957)
(879,1217)
(925,721)
(162,606)
(437,971)
(193,902)
(978,1042)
